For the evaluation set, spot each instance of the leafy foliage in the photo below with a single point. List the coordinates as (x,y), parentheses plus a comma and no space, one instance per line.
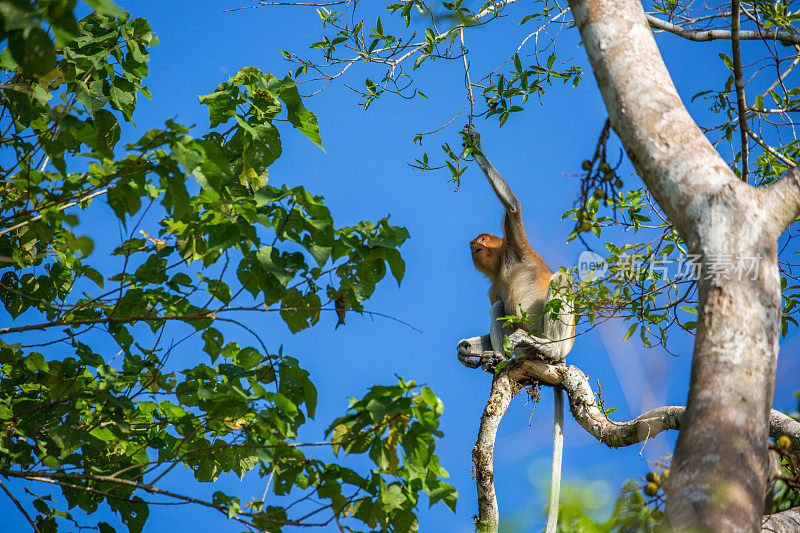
(630,514)
(89,398)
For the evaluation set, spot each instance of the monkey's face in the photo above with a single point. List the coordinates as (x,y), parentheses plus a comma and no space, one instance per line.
(485,250)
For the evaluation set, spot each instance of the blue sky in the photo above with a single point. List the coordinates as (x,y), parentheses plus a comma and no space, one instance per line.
(363,175)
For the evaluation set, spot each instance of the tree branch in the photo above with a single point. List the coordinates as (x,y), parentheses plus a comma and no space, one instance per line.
(739,83)
(588,414)
(64,478)
(491,9)
(768,148)
(107,320)
(20,507)
(712,35)
(63,207)
(784,198)
(483,453)
(586,411)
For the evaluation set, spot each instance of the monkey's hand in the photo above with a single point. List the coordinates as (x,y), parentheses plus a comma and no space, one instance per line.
(477,351)
(470,131)
(526,344)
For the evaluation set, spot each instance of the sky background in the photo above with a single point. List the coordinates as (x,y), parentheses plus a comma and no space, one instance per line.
(364,175)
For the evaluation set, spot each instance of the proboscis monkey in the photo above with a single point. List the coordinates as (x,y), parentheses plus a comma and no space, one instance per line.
(521,282)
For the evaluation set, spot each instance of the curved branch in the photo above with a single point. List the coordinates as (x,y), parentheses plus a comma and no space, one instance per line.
(712,35)
(588,414)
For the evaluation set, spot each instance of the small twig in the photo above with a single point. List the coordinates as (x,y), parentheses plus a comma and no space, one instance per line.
(19,506)
(467,79)
(207,314)
(299,4)
(770,149)
(490,9)
(65,206)
(711,35)
(269,482)
(785,73)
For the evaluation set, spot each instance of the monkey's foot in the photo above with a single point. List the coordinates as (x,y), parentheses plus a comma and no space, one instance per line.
(477,351)
(545,349)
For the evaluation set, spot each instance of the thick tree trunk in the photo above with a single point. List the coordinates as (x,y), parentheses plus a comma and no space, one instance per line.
(730,394)
(719,471)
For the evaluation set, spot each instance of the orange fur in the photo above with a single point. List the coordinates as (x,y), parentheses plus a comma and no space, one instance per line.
(486,251)
(519,275)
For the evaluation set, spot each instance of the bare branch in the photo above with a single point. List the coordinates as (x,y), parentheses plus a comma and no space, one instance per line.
(20,507)
(299,4)
(784,73)
(491,9)
(769,148)
(711,35)
(63,207)
(467,79)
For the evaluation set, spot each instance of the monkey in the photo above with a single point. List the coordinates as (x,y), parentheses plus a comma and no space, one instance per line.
(521,284)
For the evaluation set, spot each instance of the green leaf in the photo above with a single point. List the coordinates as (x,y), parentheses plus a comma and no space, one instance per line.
(299,310)
(299,117)
(630,332)
(446,493)
(84,245)
(310,397)
(34,52)
(106,7)
(429,396)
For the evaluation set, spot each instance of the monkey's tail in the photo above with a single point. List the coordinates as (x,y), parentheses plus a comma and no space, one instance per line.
(555,472)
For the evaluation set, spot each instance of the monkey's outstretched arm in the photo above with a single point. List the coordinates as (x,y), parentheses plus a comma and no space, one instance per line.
(501,188)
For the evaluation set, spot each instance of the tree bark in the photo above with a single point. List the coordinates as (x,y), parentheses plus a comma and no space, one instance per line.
(488,519)
(788,521)
(721,219)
